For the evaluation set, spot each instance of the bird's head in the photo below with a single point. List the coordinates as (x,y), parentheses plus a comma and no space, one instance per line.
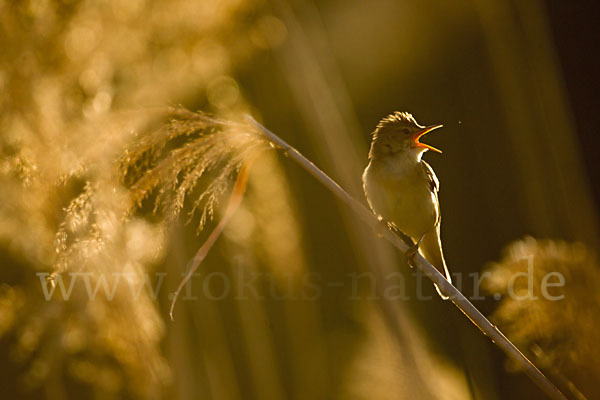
(400,133)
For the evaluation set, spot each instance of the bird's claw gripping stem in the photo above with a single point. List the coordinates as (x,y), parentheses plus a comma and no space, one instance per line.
(412,252)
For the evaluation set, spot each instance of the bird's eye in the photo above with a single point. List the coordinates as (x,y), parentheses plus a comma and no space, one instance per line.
(405,130)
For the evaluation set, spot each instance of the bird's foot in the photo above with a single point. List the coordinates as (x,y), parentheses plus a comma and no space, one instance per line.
(412,252)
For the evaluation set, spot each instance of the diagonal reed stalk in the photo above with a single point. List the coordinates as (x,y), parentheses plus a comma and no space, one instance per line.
(457,298)
(234,202)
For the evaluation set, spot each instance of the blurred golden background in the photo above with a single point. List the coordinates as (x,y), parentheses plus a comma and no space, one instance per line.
(282,308)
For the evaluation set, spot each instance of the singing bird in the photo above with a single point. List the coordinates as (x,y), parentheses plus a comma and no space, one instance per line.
(402,189)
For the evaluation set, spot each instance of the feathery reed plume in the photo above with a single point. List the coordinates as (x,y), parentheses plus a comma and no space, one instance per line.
(562,318)
(71,75)
(174,158)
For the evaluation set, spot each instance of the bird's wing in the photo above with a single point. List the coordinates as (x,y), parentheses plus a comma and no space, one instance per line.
(434,184)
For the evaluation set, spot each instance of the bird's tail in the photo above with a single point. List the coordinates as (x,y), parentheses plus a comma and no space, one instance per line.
(431,249)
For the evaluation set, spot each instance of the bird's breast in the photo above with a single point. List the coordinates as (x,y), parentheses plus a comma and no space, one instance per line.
(401,196)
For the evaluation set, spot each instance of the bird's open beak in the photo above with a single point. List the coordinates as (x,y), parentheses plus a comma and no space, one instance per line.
(422,132)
